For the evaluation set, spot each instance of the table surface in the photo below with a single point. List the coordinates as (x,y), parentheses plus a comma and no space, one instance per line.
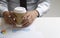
(46,27)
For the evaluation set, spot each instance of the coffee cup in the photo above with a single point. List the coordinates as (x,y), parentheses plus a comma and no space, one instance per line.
(19,12)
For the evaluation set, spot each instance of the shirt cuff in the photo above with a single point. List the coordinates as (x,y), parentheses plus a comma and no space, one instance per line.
(43,7)
(3,9)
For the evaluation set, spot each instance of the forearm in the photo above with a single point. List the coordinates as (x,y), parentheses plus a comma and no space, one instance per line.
(43,7)
(3,6)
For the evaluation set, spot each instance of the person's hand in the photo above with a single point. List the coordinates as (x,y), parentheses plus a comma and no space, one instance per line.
(28,18)
(8,17)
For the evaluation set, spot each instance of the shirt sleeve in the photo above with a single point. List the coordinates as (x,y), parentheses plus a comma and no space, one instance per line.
(3,6)
(43,7)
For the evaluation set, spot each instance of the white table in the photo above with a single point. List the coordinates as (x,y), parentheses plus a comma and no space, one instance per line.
(47,26)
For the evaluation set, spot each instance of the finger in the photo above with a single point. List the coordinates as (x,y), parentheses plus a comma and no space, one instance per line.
(25,25)
(26,16)
(26,20)
(8,21)
(8,18)
(6,15)
(12,21)
(13,17)
(30,18)
(13,14)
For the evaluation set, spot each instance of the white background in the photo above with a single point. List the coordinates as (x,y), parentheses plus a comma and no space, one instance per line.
(47,26)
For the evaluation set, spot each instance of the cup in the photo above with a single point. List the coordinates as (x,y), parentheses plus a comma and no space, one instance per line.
(19,12)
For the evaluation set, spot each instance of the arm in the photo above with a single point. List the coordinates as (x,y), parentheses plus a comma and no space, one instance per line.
(43,7)
(29,17)
(3,6)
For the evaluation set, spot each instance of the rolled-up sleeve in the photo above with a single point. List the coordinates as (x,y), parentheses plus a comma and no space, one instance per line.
(43,7)
(3,6)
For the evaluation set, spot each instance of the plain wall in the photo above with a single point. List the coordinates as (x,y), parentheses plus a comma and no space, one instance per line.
(54,9)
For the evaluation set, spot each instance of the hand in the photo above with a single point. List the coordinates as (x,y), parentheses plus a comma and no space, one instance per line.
(8,17)
(29,17)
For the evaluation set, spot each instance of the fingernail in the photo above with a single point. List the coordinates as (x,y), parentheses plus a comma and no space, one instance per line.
(9,16)
(14,19)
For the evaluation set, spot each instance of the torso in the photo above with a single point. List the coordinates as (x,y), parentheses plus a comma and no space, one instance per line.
(31,4)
